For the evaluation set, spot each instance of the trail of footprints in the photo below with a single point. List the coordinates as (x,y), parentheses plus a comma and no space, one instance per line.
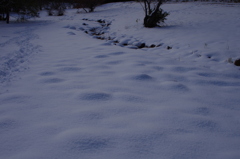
(168,78)
(63,72)
(165,78)
(56,76)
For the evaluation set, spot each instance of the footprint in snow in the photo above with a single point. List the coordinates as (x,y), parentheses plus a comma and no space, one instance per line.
(114,62)
(48,73)
(91,115)
(3,73)
(158,68)
(183,69)
(72,27)
(71,33)
(70,69)
(101,56)
(203,74)
(95,96)
(7,123)
(117,53)
(142,77)
(89,145)
(52,80)
(131,98)
(174,86)
(202,111)
(83,141)
(14,98)
(206,125)
(217,83)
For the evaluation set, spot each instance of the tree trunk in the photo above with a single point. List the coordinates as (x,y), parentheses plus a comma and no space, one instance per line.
(7,16)
(91,8)
(151,21)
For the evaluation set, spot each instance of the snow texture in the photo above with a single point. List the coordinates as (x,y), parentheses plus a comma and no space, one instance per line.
(101,86)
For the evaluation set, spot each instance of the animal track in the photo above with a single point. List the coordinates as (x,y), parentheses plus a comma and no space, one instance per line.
(15,60)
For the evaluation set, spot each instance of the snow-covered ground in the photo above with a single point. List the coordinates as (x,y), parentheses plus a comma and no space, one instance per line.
(67,94)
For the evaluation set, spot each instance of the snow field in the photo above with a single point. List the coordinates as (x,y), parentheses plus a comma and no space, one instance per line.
(81,97)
